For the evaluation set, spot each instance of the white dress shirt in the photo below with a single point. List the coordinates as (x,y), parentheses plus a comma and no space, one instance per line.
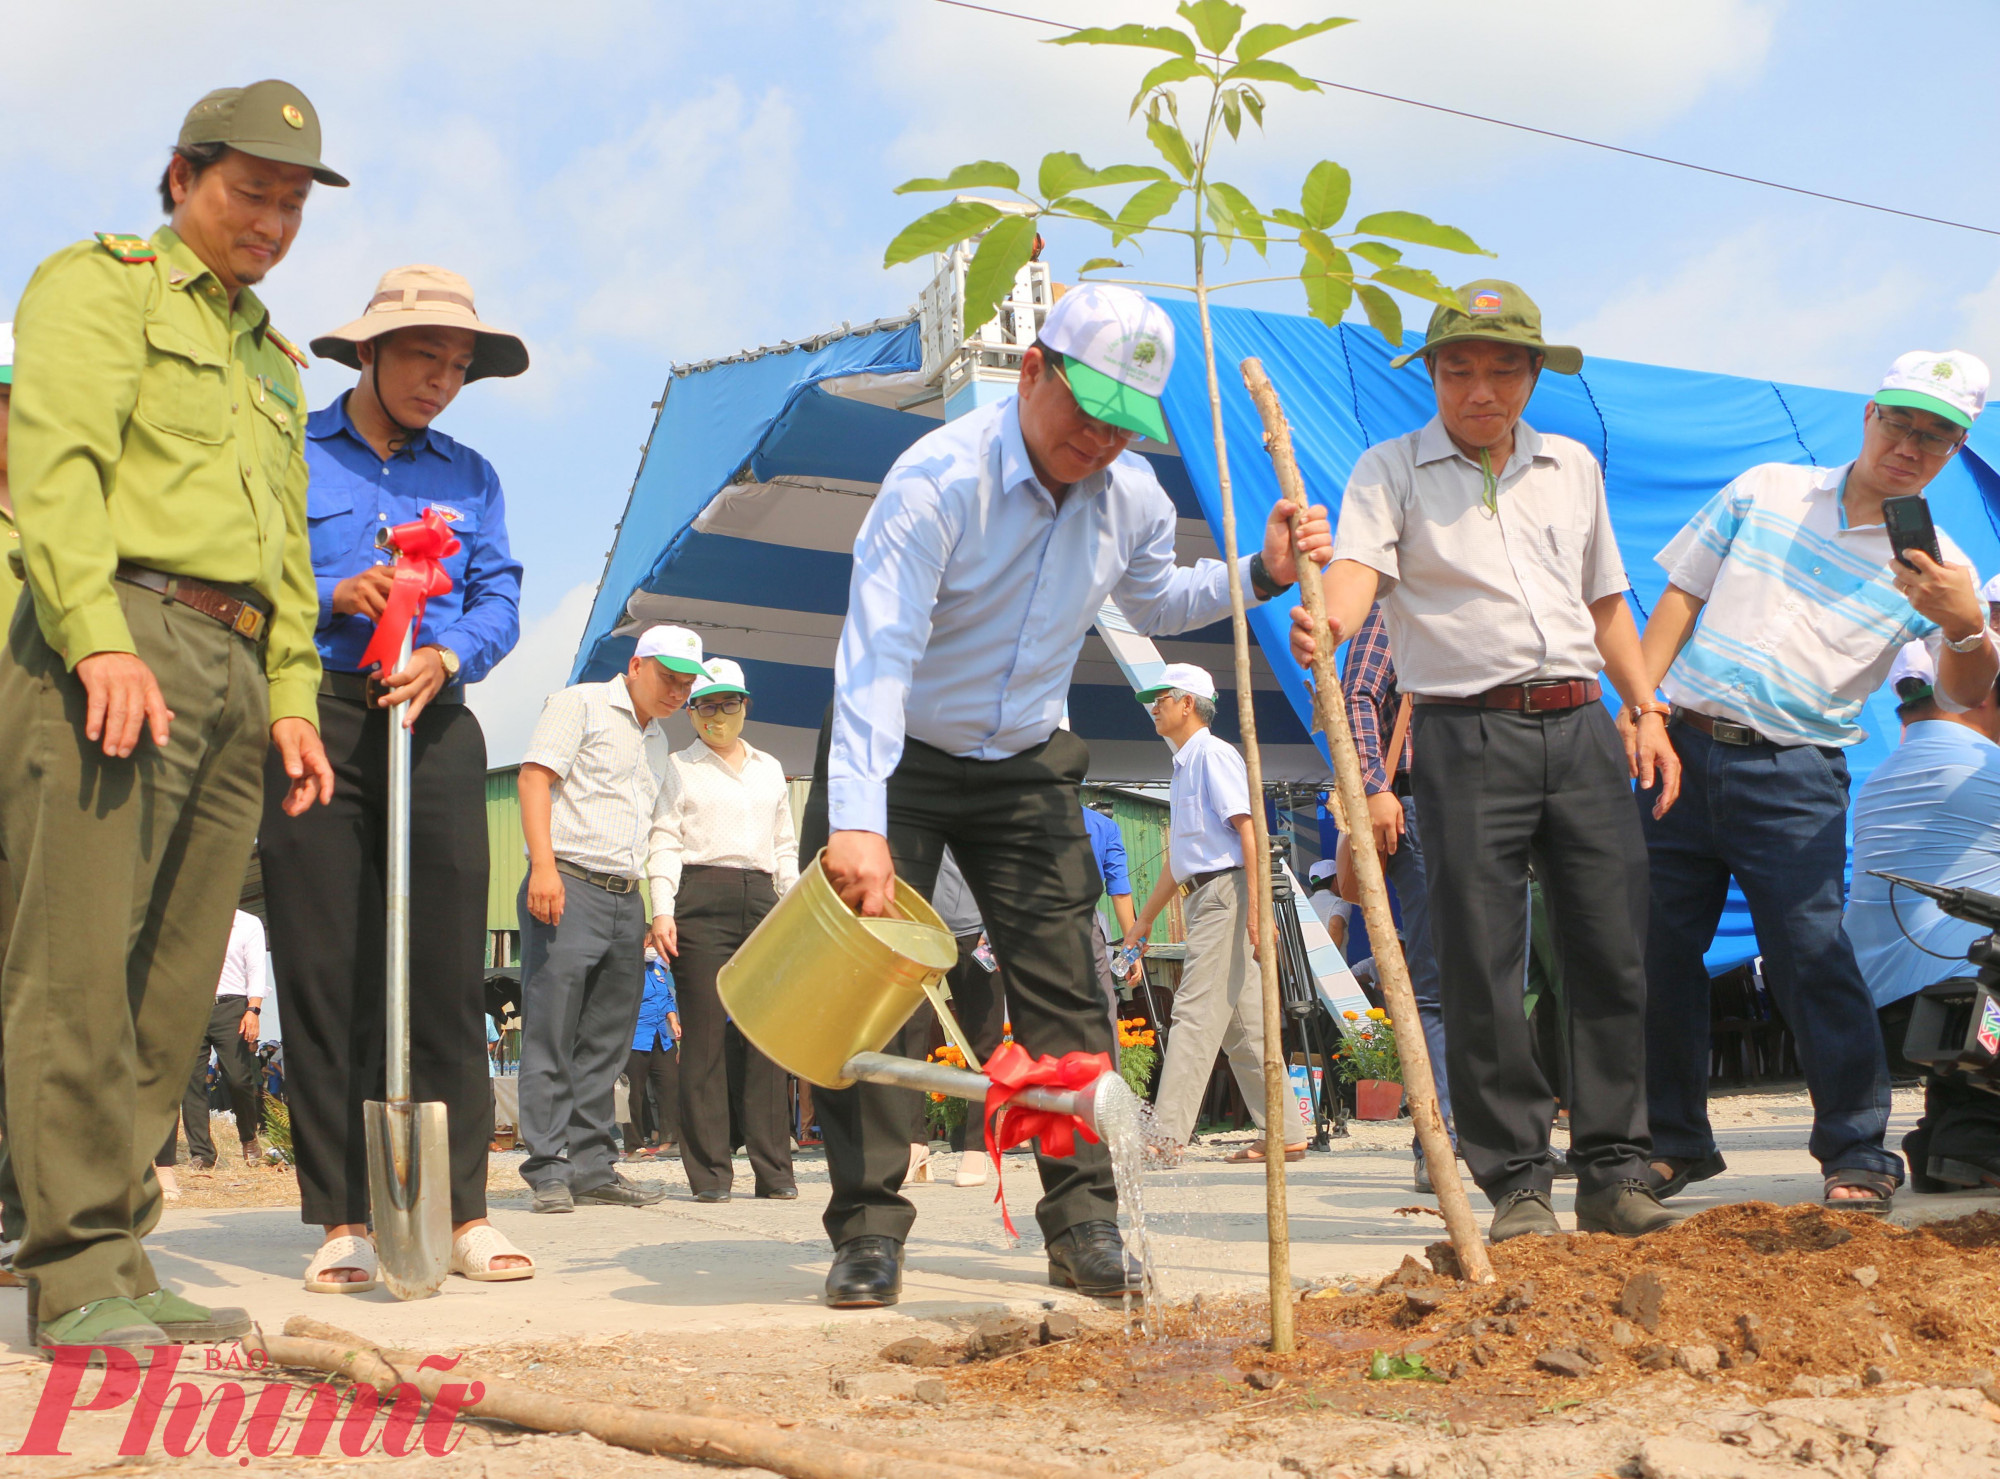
(710,814)
(243,962)
(1209,787)
(971,596)
(609,768)
(1474,599)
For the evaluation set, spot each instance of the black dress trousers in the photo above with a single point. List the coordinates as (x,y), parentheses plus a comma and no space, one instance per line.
(1016,828)
(714,913)
(324,888)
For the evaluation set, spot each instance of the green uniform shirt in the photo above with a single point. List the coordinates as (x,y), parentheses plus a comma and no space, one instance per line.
(10,585)
(152,424)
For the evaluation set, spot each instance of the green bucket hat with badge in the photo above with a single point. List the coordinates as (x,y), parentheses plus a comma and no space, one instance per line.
(270,119)
(1499,312)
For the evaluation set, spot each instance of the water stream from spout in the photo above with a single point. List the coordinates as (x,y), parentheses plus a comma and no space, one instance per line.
(1120,1125)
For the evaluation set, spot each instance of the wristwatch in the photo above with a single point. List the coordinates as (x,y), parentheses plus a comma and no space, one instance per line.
(1967,644)
(450,661)
(1261,581)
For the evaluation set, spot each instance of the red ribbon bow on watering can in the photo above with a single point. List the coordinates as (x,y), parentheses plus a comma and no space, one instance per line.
(419,547)
(1012,1070)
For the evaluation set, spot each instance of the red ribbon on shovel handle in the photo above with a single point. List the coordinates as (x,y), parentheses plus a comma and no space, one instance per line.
(419,547)
(1012,1070)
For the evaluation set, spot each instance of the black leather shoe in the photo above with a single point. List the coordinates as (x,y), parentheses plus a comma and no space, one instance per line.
(779,1194)
(1630,1209)
(711,1196)
(1091,1259)
(622,1191)
(867,1273)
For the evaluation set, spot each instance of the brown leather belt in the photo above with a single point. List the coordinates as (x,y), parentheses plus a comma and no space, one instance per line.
(1190,884)
(1723,731)
(1553,697)
(245,617)
(362,688)
(611,883)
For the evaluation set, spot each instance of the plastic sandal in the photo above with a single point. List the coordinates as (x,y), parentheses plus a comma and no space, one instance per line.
(473,1252)
(345,1251)
(1881,1186)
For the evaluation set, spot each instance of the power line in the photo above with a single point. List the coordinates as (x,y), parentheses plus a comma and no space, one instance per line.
(1549,133)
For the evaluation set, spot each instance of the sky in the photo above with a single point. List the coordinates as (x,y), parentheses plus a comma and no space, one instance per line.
(630,186)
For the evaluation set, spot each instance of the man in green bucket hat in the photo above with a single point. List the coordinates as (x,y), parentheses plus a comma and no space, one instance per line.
(1489,545)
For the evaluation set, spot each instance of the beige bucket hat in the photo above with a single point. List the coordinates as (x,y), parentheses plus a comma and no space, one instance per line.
(425,297)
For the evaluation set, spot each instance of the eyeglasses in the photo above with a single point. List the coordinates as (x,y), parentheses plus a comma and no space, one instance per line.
(1930,443)
(1098,427)
(708,708)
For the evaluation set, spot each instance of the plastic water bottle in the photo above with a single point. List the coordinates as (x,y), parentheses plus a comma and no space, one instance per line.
(1124,960)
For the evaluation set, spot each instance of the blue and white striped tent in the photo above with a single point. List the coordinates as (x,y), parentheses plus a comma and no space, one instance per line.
(759,471)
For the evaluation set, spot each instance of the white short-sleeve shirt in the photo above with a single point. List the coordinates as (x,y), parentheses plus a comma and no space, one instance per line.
(1210,786)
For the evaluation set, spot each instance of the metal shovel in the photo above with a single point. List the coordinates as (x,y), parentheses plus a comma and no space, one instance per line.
(409,1156)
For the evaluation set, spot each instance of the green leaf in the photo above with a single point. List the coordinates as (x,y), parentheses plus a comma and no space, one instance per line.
(1002,253)
(1323,197)
(1174,69)
(1127,174)
(1062,173)
(1409,226)
(940,229)
(1158,38)
(1270,72)
(1318,244)
(1253,104)
(981,173)
(1418,282)
(1384,1367)
(1248,220)
(1382,312)
(1173,147)
(1378,252)
(1145,206)
(1076,205)
(1215,22)
(1232,113)
(1329,286)
(1262,40)
(1100,264)
(1291,218)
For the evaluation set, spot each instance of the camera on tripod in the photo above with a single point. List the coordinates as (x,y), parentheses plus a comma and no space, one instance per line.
(1955,1024)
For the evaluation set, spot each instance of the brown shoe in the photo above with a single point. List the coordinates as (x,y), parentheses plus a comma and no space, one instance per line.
(253,1151)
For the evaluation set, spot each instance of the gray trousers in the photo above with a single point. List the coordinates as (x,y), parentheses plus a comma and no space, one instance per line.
(581,981)
(1220,1004)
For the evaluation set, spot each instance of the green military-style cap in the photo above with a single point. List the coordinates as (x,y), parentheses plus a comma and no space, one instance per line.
(1497,311)
(270,119)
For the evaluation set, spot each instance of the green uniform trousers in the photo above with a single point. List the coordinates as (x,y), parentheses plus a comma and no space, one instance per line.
(126,875)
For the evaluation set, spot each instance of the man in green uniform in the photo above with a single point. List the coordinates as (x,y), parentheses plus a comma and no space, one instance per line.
(159,483)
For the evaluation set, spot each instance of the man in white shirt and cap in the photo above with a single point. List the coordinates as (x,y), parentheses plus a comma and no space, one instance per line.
(979,569)
(588,786)
(1220,1001)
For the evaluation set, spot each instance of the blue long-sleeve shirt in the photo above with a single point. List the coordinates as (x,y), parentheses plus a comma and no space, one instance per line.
(353,492)
(656,1000)
(1109,845)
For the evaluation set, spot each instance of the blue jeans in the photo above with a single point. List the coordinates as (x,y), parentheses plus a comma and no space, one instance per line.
(1405,869)
(1774,818)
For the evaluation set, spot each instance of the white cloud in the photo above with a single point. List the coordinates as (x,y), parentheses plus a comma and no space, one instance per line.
(509,701)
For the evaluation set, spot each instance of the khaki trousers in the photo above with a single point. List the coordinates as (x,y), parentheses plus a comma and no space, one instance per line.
(126,875)
(1220,1004)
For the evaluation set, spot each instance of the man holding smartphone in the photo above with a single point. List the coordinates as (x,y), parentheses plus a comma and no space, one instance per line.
(1788,597)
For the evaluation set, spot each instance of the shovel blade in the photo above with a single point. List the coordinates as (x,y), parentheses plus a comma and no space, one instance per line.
(409,1194)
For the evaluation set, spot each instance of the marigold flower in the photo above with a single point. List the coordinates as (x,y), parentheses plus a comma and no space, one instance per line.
(1378,1014)
(1352,1016)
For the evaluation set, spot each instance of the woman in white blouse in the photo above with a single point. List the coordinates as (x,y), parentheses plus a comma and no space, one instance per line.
(723,850)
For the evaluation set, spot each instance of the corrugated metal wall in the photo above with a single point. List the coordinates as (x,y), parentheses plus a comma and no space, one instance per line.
(509,859)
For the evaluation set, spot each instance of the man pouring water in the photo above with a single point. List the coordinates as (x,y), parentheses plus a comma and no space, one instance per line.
(992,546)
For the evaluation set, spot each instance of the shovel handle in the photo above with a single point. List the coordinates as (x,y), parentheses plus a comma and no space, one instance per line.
(398,977)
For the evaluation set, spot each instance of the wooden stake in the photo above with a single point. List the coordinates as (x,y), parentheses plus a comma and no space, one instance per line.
(1330,717)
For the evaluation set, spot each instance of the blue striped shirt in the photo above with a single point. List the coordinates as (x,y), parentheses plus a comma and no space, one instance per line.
(1801,617)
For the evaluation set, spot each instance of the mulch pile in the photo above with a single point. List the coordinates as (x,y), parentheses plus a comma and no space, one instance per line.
(1787,1300)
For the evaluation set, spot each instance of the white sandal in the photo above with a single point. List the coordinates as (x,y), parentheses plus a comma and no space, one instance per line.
(473,1252)
(345,1251)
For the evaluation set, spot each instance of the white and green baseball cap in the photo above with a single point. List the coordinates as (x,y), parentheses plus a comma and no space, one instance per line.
(6,354)
(1182,675)
(724,676)
(1117,349)
(675,648)
(1951,384)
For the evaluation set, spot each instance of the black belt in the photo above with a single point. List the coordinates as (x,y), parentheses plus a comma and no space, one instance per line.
(1725,731)
(363,688)
(244,614)
(611,883)
(1190,884)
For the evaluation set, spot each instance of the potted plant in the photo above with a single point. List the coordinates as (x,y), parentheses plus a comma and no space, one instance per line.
(943,1113)
(1138,1054)
(1368,1059)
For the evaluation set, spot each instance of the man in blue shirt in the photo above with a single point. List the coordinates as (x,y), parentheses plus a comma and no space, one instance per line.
(1931,811)
(377,462)
(652,1073)
(1107,845)
(983,561)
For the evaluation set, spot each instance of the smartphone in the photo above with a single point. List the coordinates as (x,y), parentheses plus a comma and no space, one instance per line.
(1910,527)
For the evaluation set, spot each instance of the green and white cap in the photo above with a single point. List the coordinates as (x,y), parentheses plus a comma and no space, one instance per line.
(675,648)
(1117,349)
(1952,384)
(7,353)
(1182,675)
(724,676)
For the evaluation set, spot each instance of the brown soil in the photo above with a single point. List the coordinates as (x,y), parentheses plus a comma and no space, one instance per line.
(1770,1295)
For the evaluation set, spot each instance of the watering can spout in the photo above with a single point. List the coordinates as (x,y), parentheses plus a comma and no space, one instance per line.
(959,1083)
